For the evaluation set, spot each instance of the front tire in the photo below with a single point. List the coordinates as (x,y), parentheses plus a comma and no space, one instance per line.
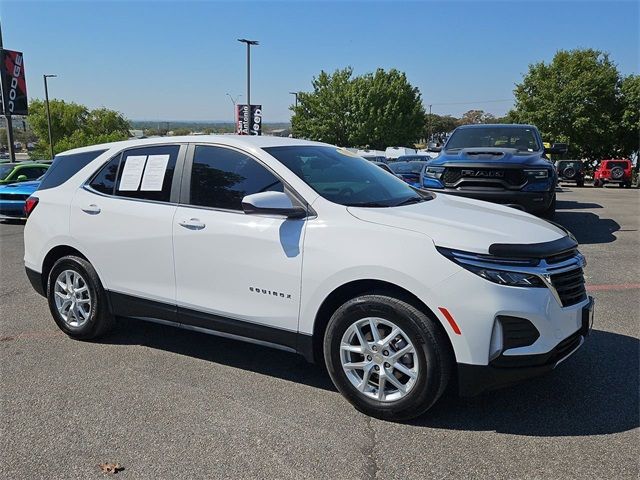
(550,211)
(389,359)
(77,300)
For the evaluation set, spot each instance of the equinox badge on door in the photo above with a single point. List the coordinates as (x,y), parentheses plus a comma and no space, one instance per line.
(269,292)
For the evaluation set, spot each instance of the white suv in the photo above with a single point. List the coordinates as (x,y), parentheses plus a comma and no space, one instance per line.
(307,247)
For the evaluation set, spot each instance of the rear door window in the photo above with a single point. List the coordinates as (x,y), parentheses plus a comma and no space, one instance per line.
(147,173)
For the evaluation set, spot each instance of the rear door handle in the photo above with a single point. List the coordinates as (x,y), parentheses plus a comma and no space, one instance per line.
(192,224)
(92,209)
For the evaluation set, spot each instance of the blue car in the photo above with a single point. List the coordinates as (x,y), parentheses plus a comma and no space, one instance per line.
(13,197)
(505,164)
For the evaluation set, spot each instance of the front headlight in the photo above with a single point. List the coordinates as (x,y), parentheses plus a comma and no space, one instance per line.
(537,174)
(434,172)
(511,279)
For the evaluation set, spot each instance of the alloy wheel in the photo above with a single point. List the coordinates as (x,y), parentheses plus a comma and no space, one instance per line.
(72,297)
(379,359)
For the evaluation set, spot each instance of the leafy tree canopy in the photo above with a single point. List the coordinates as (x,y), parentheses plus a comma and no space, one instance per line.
(375,110)
(579,98)
(73,126)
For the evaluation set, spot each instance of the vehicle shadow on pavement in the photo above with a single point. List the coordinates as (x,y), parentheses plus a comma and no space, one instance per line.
(220,350)
(595,392)
(587,227)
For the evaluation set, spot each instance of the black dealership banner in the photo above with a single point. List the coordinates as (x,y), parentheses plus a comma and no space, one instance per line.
(244,126)
(14,85)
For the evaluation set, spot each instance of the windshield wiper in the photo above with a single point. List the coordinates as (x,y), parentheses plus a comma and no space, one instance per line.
(410,201)
(367,204)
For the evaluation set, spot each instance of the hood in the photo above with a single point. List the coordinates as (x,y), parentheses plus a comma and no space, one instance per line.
(464,224)
(491,155)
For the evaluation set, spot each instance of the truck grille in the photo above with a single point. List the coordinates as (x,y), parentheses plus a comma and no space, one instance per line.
(510,176)
(570,286)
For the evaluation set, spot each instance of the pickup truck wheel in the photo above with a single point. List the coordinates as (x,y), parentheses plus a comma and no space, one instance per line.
(550,211)
(388,358)
(77,300)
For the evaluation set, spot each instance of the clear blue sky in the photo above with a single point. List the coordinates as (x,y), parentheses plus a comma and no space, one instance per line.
(175,60)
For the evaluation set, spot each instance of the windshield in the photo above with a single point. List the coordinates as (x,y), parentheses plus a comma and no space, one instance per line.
(522,139)
(5,170)
(407,167)
(343,177)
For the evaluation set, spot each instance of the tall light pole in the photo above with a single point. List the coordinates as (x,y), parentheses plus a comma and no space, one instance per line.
(234,101)
(46,98)
(249,43)
(296,95)
(430,120)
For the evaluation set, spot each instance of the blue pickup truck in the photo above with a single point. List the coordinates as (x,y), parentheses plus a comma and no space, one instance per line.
(501,163)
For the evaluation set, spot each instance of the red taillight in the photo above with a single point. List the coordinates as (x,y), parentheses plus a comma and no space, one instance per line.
(29,205)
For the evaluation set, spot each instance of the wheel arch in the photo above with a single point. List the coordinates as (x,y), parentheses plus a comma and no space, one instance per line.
(355,288)
(53,255)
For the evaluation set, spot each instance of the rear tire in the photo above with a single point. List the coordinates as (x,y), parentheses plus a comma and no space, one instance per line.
(580,183)
(77,299)
(349,340)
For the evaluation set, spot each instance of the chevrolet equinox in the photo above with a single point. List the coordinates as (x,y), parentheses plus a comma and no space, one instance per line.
(277,241)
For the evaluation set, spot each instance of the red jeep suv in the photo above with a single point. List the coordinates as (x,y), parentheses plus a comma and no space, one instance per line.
(613,171)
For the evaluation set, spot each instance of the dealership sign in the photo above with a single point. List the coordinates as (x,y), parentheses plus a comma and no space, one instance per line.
(248,125)
(14,86)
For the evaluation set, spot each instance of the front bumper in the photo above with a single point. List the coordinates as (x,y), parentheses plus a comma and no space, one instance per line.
(509,369)
(529,201)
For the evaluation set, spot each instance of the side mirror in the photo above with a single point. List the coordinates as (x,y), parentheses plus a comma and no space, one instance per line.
(557,149)
(272,203)
(21,178)
(434,149)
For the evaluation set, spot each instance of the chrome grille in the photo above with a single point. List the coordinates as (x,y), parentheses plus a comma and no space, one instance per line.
(570,286)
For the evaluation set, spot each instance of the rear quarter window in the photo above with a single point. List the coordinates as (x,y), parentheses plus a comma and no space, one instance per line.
(66,166)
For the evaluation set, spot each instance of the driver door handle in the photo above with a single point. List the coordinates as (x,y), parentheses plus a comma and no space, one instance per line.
(92,209)
(192,224)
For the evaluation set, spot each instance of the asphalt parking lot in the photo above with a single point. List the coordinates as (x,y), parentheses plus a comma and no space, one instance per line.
(167,403)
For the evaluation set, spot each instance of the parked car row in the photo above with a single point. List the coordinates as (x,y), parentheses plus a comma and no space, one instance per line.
(17,182)
(618,171)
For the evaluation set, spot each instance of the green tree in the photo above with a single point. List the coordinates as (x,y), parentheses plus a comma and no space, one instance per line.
(577,99)
(476,116)
(630,122)
(73,126)
(377,109)
(324,114)
(438,125)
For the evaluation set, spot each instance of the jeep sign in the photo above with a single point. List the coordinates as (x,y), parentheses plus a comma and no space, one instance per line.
(14,87)
(246,126)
